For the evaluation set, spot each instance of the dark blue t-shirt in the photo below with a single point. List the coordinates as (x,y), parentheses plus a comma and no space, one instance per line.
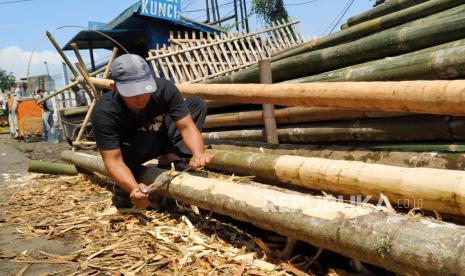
(113,122)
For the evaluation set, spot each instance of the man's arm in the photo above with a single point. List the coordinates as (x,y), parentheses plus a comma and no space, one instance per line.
(194,142)
(124,178)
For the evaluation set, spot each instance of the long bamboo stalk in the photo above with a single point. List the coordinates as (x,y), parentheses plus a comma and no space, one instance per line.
(387,8)
(420,128)
(400,243)
(379,45)
(75,111)
(61,53)
(93,93)
(423,147)
(51,168)
(106,74)
(434,189)
(393,155)
(61,90)
(431,97)
(445,61)
(56,93)
(378,2)
(327,40)
(85,122)
(268,110)
(294,115)
(371,26)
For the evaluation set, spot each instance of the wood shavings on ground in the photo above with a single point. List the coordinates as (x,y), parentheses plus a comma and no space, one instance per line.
(143,242)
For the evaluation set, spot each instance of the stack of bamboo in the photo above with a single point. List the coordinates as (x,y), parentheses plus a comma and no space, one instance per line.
(395,41)
(332,90)
(343,221)
(376,235)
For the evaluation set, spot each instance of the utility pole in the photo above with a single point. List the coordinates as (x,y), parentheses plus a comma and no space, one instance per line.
(213,10)
(207,10)
(246,17)
(218,12)
(46,67)
(236,16)
(48,77)
(66,82)
(242,14)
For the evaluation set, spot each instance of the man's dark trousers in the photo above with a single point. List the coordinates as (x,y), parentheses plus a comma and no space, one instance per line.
(144,145)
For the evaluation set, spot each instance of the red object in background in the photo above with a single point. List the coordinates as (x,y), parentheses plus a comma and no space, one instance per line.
(29,116)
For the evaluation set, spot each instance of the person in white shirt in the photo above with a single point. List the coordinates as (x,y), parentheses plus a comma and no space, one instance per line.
(47,114)
(12,120)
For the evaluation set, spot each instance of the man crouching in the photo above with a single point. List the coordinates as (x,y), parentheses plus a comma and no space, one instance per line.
(145,118)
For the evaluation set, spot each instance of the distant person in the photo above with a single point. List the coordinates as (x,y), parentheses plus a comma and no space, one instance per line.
(47,114)
(19,91)
(80,95)
(12,105)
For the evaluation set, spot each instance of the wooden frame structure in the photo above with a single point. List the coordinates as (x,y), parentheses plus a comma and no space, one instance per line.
(198,57)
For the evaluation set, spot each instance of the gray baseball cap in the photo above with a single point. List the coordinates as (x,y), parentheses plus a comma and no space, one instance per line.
(132,76)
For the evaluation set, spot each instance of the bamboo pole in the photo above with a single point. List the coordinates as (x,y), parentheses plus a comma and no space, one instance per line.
(218,105)
(103,83)
(430,97)
(78,55)
(114,53)
(294,115)
(432,148)
(388,8)
(372,26)
(106,74)
(422,147)
(402,244)
(378,2)
(419,128)
(440,97)
(93,92)
(434,189)
(62,54)
(84,123)
(268,109)
(379,45)
(410,156)
(71,85)
(51,168)
(61,90)
(75,111)
(446,61)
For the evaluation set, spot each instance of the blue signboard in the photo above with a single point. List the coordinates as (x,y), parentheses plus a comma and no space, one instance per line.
(166,9)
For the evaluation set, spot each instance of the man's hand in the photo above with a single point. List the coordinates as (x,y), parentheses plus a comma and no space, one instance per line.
(200,160)
(139,196)
(194,142)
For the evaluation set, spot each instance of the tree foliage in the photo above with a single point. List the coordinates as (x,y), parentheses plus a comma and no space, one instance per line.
(270,10)
(7,80)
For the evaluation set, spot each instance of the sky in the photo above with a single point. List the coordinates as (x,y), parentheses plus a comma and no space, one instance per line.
(23,24)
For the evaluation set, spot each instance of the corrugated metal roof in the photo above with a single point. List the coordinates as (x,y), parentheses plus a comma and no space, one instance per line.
(130,28)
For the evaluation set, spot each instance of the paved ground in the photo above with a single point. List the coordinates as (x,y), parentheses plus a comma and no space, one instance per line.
(12,165)
(14,156)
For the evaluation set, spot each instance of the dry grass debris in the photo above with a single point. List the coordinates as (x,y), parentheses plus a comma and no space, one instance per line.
(129,242)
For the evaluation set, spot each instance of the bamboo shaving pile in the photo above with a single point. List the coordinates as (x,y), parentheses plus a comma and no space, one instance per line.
(130,241)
